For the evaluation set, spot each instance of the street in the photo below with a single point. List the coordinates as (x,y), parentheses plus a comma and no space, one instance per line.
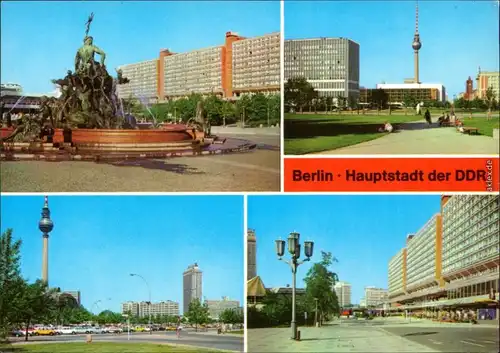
(378,335)
(451,339)
(230,342)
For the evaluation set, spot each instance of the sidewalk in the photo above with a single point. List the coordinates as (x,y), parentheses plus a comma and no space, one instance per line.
(330,339)
(246,131)
(414,322)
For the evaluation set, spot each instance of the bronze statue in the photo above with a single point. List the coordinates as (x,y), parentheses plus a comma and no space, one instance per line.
(84,60)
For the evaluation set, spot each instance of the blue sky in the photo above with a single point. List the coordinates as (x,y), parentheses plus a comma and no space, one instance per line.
(362,232)
(98,241)
(39,39)
(456,36)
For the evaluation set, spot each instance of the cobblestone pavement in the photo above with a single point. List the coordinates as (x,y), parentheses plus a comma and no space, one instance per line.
(258,170)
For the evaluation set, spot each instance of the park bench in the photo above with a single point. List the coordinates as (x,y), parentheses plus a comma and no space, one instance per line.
(470,130)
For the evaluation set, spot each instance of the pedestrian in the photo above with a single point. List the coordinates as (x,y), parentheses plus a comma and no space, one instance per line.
(178,329)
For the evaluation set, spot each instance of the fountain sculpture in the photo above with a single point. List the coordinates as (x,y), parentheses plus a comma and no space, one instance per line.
(87,121)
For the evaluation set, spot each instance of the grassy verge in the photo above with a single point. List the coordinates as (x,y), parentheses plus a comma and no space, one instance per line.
(485,126)
(237,332)
(98,347)
(307,133)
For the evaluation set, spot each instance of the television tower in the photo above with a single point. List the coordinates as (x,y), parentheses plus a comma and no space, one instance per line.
(45,225)
(416,45)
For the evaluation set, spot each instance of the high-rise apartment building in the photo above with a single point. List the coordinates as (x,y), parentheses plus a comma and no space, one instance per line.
(241,65)
(143,80)
(375,296)
(192,286)
(330,65)
(217,307)
(256,64)
(251,254)
(397,274)
(141,309)
(453,260)
(343,291)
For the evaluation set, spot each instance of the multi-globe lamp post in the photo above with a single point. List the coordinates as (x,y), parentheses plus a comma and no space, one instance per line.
(294,262)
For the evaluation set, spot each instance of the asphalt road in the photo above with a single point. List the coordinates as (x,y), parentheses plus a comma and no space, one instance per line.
(451,339)
(231,342)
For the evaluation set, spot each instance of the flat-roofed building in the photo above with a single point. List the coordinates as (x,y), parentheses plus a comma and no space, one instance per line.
(343,291)
(131,308)
(198,71)
(485,80)
(419,91)
(423,263)
(375,296)
(397,274)
(330,65)
(256,64)
(143,79)
(471,245)
(217,307)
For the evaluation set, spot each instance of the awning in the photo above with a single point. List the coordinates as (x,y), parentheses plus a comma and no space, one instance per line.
(255,287)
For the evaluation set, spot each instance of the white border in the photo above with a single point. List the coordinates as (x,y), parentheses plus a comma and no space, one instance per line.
(282,94)
(245,262)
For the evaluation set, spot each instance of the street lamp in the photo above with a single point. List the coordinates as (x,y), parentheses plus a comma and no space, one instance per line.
(149,303)
(294,262)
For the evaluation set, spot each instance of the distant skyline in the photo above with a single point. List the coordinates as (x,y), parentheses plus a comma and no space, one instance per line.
(39,39)
(457,37)
(97,241)
(362,232)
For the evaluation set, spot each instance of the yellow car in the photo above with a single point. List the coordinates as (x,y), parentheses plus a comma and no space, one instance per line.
(170,328)
(140,329)
(45,332)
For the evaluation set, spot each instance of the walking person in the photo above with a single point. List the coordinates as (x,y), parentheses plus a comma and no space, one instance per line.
(178,328)
(428,117)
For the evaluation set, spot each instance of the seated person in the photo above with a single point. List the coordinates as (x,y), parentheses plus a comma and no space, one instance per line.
(386,128)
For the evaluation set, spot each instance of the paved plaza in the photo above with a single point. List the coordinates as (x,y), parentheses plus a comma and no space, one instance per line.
(418,138)
(258,170)
(379,335)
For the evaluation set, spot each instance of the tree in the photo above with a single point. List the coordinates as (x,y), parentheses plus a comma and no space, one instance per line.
(258,109)
(489,99)
(319,285)
(197,313)
(380,98)
(242,105)
(274,108)
(298,93)
(10,280)
(409,101)
(227,111)
(231,316)
(38,302)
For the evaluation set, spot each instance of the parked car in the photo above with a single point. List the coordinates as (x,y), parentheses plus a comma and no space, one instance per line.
(45,332)
(140,329)
(85,330)
(113,329)
(66,330)
(105,330)
(17,333)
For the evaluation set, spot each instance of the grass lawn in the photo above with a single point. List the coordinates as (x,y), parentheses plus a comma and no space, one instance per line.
(485,126)
(307,133)
(98,347)
(237,332)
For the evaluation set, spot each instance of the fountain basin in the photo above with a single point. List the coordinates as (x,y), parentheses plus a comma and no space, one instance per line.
(168,134)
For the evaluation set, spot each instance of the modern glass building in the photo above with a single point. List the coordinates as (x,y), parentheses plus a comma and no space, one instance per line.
(331,65)
(453,261)
(192,286)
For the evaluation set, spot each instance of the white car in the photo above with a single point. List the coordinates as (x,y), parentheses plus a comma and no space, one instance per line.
(66,330)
